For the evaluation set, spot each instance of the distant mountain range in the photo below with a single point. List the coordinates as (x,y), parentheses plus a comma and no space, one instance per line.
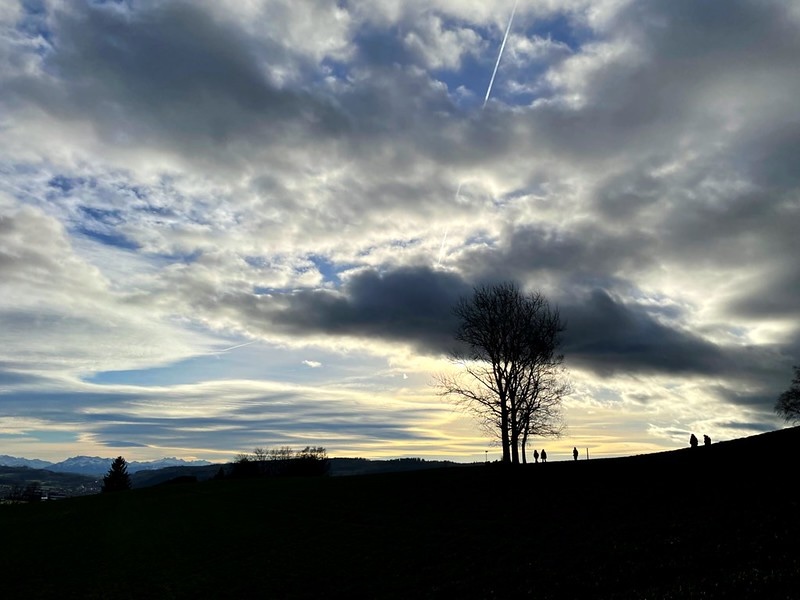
(94,465)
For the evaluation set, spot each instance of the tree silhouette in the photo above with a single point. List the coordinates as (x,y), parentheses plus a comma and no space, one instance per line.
(117,478)
(311,460)
(509,358)
(788,404)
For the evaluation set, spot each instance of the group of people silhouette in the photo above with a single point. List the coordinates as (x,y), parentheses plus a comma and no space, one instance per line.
(693,441)
(543,455)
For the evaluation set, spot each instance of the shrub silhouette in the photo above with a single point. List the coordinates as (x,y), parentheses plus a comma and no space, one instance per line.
(282,462)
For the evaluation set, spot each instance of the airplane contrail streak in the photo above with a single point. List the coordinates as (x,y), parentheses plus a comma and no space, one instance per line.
(441,249)
(235,347)
(500,54)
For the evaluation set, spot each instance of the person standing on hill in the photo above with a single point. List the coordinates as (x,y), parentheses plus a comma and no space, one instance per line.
(536,456)
(693,441)
(575,452)
(544,456)
(706,440)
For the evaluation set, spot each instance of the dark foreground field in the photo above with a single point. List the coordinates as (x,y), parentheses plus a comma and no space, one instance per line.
(714,522)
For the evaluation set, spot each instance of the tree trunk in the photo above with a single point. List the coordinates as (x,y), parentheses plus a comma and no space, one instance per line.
(504,433)
(514,448)
(524,444)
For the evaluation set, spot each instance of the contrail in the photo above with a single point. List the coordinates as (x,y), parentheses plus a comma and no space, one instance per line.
(500,54)
(485,100)
(441,248)
(234,347)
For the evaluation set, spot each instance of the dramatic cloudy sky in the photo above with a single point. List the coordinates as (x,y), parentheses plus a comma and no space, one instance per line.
(236,224)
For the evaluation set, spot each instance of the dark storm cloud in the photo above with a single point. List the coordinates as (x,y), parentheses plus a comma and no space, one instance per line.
(604,334)
(609,337)
(412,304)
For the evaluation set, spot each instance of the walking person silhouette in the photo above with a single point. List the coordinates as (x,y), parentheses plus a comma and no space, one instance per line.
(544,456)
(575,452)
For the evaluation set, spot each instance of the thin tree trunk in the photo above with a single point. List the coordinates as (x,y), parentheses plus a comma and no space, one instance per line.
(524,444)
(514,448)
(504,434)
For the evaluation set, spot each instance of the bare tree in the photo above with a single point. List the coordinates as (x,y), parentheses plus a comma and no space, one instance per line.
(511,372)
(788,404)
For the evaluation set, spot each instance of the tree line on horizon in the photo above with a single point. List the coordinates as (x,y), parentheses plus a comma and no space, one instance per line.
(276,462)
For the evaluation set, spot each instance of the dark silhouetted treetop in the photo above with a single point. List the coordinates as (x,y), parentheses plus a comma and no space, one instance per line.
(788,404)
(117,479)
(311,460)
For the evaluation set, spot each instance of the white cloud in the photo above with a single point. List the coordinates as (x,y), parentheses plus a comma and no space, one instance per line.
(59,314)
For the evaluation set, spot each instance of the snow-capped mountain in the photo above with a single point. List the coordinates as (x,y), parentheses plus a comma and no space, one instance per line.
(96,466)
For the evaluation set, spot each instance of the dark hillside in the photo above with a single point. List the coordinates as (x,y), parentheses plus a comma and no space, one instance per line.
(711,522)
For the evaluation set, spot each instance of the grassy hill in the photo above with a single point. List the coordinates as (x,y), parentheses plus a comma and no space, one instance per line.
(710,522)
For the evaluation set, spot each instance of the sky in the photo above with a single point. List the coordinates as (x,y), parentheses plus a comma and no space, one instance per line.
(237,224)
